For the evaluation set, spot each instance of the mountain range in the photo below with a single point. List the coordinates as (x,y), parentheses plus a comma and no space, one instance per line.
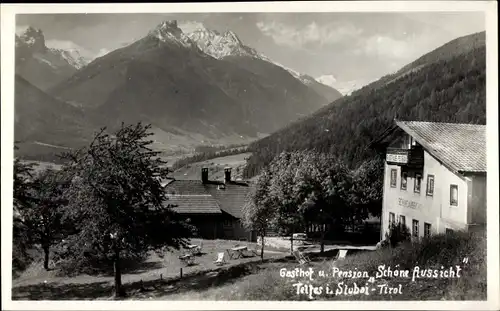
(228,44)
(447,84)
(43,66)
(196,83)
(344,87)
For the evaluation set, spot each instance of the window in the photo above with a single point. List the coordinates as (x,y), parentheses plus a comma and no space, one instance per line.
(402,220)
(407,142)
(415,228)
(228,223)
(404,180)
(427,229)
(418,182)
(392,218)
(394,178)
(449,231)
(430,185)
(454,195)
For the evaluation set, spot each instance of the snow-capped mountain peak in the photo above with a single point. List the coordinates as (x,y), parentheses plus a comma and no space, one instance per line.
(304,78)
(30,42)
(74,54)
(327,79)
(214,43)
(230,35)
(73,57)
(191,26)
(168,31)
(344,87)
(219,45)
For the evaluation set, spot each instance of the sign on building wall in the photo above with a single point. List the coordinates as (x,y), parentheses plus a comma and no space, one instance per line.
(397,158)
(409,204)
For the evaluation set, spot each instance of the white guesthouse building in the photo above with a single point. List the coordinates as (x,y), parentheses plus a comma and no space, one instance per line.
(435,177)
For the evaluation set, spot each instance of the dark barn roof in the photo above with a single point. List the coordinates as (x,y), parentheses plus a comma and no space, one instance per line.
(194,204)
(212,197)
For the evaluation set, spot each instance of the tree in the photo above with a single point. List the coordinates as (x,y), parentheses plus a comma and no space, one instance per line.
(259,209)
(116,201)
(42,218)
(288,218)
(319,189)
(22,199)
(322,185)
(367,191)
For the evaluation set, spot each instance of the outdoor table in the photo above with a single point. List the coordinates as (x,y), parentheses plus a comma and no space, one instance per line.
(187,258)
(193,248)
(238,251)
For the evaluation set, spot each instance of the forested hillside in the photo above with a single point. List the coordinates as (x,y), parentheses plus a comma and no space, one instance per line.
(433,88)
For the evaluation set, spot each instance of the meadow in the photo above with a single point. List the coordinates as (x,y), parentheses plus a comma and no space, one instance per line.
(266,282)
(156,269)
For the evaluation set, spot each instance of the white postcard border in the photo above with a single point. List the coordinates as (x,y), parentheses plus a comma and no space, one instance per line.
(7,111)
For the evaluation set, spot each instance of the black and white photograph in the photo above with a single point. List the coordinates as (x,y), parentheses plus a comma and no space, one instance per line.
(318,154)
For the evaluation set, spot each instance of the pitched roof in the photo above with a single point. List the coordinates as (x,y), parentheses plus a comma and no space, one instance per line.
(232,198)
(194,195)
(194,204)
(461,147)
(185,187)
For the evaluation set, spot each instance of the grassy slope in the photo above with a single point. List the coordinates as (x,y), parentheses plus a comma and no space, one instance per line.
(267,284)
(29,284)
(249,279)
(215,166)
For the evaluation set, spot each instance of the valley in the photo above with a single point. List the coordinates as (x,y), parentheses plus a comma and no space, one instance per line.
(215,168)
(195,88)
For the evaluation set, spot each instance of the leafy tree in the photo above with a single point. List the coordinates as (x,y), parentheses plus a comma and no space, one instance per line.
(289,218)
(367,190)
(309,187)
(322,185)
(42,218)
(259,209)
(116,201)
(22,199)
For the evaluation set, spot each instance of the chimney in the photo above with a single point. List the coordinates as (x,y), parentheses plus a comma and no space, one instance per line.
(204,174)
(227,174)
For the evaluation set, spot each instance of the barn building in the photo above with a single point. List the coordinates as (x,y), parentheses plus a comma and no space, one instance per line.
(214,207)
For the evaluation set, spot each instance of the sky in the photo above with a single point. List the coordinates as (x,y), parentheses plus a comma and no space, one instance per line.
(347,45)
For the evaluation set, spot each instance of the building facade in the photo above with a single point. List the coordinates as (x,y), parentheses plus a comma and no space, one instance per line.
(434,177)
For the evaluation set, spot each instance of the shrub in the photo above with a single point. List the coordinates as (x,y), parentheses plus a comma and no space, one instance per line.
(398,232)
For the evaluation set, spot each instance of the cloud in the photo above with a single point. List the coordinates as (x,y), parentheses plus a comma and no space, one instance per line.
(70,46)
(313,33)
(20,29)
(382,45)
(102,52)
(405,47)
(63,44)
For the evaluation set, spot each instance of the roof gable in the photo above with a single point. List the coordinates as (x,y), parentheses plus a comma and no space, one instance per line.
(231,198)
(461,147)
